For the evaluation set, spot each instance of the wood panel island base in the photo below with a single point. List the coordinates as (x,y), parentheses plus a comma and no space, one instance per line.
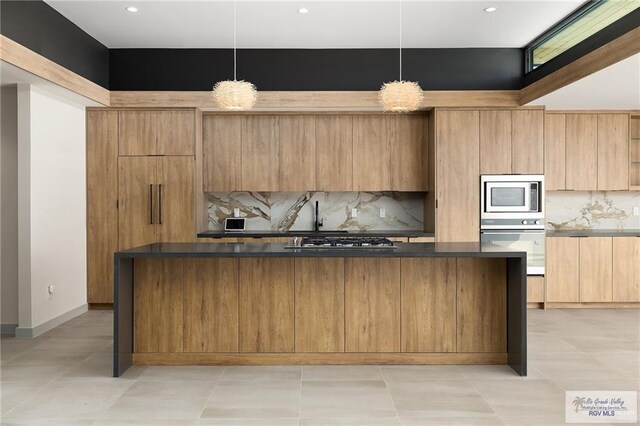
(262,304)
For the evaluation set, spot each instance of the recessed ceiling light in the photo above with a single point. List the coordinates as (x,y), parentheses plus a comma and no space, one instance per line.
(490,9)
(303,10)
(131,9)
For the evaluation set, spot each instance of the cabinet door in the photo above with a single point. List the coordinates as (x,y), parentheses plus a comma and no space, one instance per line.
(408,152)
(334,152)
(428,305)
(158,308)
(554,152)
(596,269)
(458,176)
(481,305)
(626,269)
(138,133)
(535,289)
(211,305)
(527,149)
(297,169)
(260,150)
(582,152)
(319,325)
(613,152)
(371,153)
(495,142)
(222,150)
(372,305)
(562,269)
(266,310)
(176,214)
(102,199)
(138,198)
(176,132)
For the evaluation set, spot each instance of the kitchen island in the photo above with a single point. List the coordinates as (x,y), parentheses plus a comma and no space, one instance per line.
(264,304)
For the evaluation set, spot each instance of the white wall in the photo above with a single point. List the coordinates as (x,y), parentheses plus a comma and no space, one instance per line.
(9,206)
(52,206)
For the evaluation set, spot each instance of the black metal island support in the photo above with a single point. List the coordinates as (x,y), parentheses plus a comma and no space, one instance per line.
(515,309)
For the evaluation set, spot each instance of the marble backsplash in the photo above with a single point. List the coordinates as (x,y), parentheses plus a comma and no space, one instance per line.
(282,211)
(568,210)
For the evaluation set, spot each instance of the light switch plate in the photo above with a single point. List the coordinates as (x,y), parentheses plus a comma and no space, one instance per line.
(236,212)
(354,213)
(383,212)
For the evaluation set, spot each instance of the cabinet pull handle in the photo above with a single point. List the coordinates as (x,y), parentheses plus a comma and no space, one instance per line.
(151,204)
(160,204)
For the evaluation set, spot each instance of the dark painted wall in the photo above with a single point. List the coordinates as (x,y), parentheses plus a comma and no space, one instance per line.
(315,69)
(39,27)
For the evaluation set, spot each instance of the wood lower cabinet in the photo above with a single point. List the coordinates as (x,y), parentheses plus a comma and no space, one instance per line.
(562,270)
(319,305)
(457,176)
(626,269)
(102,203)
(596,269)
(428,301)
(266,305)
(535,289)
(158,305)
(210,305)
(481,305)
(372,305)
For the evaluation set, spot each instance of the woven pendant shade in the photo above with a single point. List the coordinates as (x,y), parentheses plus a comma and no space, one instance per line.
(400,96)
(232,95)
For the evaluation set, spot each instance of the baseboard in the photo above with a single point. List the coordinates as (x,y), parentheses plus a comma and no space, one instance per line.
(535,305)
(31,332)
(100,306)
(8,328)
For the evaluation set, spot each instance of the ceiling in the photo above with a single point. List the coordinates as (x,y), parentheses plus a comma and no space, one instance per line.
(329,24)
(615,87)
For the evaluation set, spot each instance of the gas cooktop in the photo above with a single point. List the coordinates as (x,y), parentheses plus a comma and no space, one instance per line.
(342,243)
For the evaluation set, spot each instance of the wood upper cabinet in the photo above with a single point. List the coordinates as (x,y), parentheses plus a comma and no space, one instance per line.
(372,305)
(527,146)
(581,152)
(495,142)
(596,269)
(102,199)
(371,152)
(457,176)
(156,133)
(626,269)
(562,271)
(613,152)
(260,153)
(334,152)
(554,152)
(408,152)
(222,152)
(155,200)
(297,153)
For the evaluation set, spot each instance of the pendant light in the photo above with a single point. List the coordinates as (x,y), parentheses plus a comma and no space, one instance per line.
(234,95)
(400,96)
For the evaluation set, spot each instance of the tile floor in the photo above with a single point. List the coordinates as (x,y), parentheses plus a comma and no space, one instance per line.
(64,378)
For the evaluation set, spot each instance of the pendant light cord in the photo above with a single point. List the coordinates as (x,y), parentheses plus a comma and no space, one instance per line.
(400,40)
(234,40)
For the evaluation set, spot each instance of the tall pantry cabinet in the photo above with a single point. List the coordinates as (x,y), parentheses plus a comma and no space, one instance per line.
(140,186)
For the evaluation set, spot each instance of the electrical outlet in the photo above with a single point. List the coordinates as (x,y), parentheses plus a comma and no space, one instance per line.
(383,213)
(236,212)
(354,213)
(636,210)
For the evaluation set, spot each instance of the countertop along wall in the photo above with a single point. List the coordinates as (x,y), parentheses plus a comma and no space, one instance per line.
(52,210)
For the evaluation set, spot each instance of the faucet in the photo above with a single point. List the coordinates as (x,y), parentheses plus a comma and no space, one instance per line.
(319,222)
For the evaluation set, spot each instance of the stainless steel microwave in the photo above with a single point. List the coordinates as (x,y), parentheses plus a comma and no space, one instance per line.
(504,196)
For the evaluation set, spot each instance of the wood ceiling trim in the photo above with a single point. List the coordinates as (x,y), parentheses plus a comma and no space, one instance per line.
(615,51)
(28,60)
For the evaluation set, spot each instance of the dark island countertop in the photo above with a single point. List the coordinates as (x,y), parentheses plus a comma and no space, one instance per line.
(470,249)
(303,233)
(594,233)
